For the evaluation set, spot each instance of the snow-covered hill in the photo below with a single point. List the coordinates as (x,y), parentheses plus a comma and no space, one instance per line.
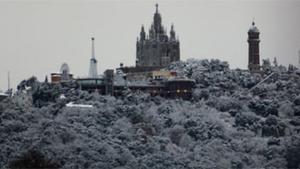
(227,124)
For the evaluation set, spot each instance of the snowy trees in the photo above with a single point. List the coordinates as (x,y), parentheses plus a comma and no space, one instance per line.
(222,126)
(33,159)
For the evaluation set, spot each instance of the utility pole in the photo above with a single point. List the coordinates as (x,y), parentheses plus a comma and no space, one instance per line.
(93,73)
(8,80)
(299,59)
(9,90)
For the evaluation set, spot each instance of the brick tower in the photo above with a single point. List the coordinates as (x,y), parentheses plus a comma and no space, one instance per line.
(253,41)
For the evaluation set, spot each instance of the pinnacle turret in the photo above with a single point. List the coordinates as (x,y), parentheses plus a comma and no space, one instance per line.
(172,33)
(143,34)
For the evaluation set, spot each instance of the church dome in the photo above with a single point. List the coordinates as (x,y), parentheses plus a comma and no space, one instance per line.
(253,28)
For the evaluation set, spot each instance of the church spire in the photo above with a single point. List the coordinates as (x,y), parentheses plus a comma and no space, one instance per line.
(142,34)
(172,33)
(157,22)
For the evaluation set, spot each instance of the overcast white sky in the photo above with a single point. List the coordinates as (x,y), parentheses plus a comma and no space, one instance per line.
(36,37)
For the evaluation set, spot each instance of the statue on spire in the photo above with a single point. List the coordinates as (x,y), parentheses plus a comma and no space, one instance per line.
(156,5)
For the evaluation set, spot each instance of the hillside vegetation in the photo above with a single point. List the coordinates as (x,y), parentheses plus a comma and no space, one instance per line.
(227,124)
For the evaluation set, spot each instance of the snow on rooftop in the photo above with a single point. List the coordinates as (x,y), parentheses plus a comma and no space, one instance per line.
(2,93)
(71,104)
(62,96)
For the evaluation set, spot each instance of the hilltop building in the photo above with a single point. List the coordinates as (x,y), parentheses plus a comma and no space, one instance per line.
(157,49)
(253,41)
(64,75)
(153,52)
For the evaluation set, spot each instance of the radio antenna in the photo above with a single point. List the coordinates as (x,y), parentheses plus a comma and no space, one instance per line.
(8,80)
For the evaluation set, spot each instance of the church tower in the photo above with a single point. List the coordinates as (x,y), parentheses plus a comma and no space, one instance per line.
(157,22)
(253,41)
(93,73)
(157,49)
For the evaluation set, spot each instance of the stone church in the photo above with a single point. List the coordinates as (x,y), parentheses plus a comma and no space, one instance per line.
(157,49)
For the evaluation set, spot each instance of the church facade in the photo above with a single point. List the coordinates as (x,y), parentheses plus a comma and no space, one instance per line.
(157,49)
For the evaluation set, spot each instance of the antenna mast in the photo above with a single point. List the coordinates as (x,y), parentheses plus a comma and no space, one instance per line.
(8,80)
(93,47)
(299,60)
(93,62)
